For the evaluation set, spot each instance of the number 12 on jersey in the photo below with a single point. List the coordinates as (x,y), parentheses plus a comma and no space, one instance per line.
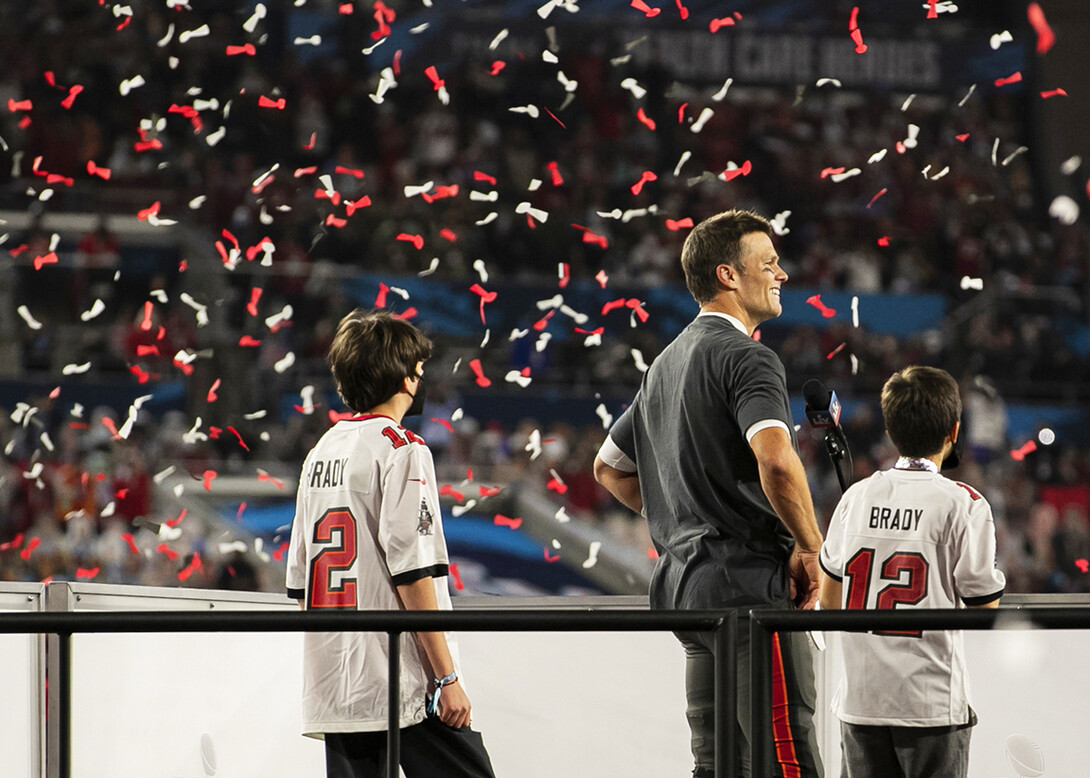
(860,570)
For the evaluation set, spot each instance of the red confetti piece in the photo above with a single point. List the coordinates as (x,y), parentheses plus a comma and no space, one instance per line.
(335,221)
(211,396)
(248,342)
(506,521)
(601,278)
(551,558)
(815,301)
(278,555)
(646,176)
(883,241)
(479,176)
(497,66)
(33,544)
(554,171)
(255,295)
(45,259)
(832,171)
(565,275)
(449,427)
(962,138)
(638,309)
(489,491)
(644,8)
(346,9)
(475,366)
(416,240)
(593,237)
(446,490)
(1083,565)
(555,119)
(351,206)
(1045,36)
(744,170)
(874,199)
(241,508)
(267,102)
(715,25)
(177,519)
(433,76)
(151,210)
(396,64)
(932,10)
(439,193)
(682,11)
(53,395)
(241,442)
(646,120)
(15,542)
(455,576)
(207,478)
(1054,93)
(50,77)
(448,234)
(128,538)
(142,377)
(19,105)
(1020,453)
(95,170)
(543,322)
(73,91)
(595,331)
(681,112)
(86,572)
(304,171)
(857,37)
(246,48)
(383,16)
(335,417)
(380,298)
(652,553)
(348,171)
(613,305)
(263,476)
(557,486)
(835,351)
(1013,78)
(167,551)
(191,568)
(485,295)
(680,224)
(145,351)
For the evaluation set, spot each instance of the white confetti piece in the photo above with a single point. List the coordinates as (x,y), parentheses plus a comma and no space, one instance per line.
(130,84)
(828,82)
(562,516)
(166,38)
(284,362)
(548,56)
(483,197)
(259,550)
(236,546)
(413,190)
(594,339)
(313,40)
(163,475)
(97,307)
(995,152)
(552,302)
(542,342)
(487,335)
(972,283)
(574,315)
(109,510)
(31,322)
(637,357)
(533,445)
(35,471)
(431,268)
(47,442)
(877,156)
(1070,165)
(516,334)
(515,377)
(194,435)
(685,156)
(307,395)
(500,37)
(458,510)
(855,310)
(634,87)
(259,13)
(367,51)
(1000,38)
(718,96)
(457,415)
(215,137)
(555,544)
(402,293)
(913,134)
(261,414)
(487,219)
(530,110)
(968,94)
(197,202)
(536,213)
(907,102)
(457,364)
(1064,210)
(855,364)
(779,223)
(592,554)
(1010,157)
(838,177)
(74,369)
(534,185)
(614,214)
(201,310)
(604,415)
(187,35)
(701,120)
(130,420)
(386,82)
(482,271)
(278,318)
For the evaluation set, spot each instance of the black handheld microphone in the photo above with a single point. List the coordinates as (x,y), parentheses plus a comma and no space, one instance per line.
(823,412)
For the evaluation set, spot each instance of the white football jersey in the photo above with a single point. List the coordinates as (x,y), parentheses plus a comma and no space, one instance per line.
(909,539)
(366,520)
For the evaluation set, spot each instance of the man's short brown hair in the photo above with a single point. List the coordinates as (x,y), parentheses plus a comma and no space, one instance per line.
(371,353)
(920,406)
(717,241)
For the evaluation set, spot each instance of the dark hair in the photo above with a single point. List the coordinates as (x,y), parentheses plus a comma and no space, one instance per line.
(717,241)
(371,353)
(920,406)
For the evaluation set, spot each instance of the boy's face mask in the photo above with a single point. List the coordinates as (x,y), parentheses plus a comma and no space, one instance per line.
(417,406)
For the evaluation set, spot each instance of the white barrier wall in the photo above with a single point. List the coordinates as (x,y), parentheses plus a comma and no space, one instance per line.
(191,705)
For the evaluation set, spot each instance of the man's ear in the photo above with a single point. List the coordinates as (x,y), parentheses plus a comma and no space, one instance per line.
(727,276)
(955,431)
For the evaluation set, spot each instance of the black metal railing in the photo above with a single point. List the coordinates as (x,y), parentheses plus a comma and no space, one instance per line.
(763,624)
(393,623)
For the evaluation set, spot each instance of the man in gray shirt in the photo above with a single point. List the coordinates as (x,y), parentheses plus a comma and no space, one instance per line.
(707,452)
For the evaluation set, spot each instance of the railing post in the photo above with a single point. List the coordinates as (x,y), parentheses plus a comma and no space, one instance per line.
(64,704)
(726,697)
(760,683)
(393,731)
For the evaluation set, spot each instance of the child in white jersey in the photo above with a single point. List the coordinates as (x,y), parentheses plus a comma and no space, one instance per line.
(909,537)
(368,535)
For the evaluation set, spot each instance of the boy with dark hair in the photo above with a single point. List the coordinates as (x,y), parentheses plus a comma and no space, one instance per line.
(909,537)
(368,535)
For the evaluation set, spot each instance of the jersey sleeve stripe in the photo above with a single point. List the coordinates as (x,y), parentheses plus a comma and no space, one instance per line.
(983,599)
(409,576)
(829,572)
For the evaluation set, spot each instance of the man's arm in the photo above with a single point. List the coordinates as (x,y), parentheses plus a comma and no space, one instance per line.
(624,486)
(454,705)
(831,592)
(784,483)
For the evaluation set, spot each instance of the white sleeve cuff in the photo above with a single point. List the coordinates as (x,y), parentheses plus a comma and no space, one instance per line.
(611,454)
(763,425)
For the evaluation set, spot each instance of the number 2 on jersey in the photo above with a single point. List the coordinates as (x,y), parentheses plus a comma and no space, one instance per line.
(336,531)
(859,572)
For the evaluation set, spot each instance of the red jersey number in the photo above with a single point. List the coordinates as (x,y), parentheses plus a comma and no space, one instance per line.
(396,439)
(336,531)
(913,590)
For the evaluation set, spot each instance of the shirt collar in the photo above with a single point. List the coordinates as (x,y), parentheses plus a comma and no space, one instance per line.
(737,324)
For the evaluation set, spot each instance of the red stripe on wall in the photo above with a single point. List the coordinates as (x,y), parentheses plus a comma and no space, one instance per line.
(781,723)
